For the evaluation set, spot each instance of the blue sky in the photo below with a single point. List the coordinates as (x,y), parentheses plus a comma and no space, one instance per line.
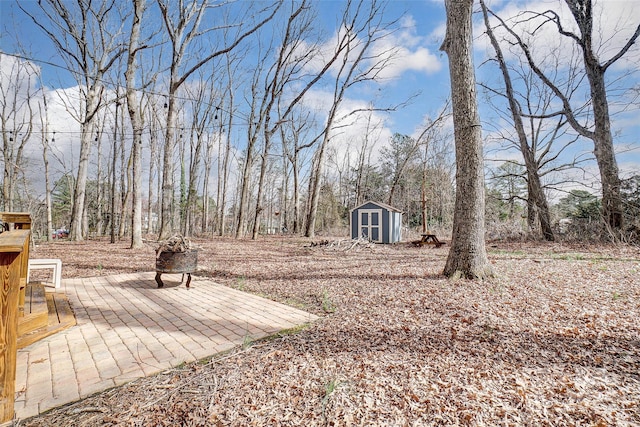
(421,70)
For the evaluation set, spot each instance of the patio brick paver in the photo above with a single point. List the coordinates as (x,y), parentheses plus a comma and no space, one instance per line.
(128,328)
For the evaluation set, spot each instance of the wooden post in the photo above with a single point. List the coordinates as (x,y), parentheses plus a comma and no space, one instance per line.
(19,221)
(14,253)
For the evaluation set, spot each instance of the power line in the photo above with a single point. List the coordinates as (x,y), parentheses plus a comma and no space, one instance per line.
(111,83)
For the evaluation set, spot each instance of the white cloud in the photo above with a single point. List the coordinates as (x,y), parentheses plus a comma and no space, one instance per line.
(614,23)
(401,50)
(420,59)
(406,51)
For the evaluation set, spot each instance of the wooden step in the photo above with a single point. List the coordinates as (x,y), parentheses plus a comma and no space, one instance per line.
(60,317)
(35,310)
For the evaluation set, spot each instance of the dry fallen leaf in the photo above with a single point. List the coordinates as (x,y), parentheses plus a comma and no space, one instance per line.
(552,341)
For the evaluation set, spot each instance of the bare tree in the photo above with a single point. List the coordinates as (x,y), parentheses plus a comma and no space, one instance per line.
(46,147)
(595,69)
(183,27)
(89,40)
(364,160)
(126,176)
(16,121)
(362,26)
(467,256)
(88,37)
(428,139)
(114,160)
(536,192)
(255,122)
(224,145)
(155,125)
(99,218)
(217,90)
(282,78)
(135,115)
(204,117)
(293,145)
(293,56)
(406,149)
(546,140)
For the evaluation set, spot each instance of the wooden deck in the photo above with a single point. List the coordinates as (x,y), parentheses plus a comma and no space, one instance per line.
(45,313)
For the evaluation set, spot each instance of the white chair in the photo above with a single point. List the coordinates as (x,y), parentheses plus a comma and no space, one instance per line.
(41,264)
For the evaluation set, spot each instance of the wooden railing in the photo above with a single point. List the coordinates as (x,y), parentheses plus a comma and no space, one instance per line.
(17,220)
(14,259)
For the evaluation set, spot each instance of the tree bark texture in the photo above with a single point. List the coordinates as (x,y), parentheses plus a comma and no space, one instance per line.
(603,140)
(467,256)
(135,116)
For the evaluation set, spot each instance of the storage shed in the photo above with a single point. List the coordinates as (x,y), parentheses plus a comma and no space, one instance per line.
(377,222)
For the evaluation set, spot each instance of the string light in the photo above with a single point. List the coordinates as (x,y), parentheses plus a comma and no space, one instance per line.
(72,133)
(145,92)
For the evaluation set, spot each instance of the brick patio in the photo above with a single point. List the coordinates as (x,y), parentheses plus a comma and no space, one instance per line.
(128,328)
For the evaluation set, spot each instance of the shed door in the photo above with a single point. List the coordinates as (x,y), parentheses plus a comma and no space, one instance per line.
(370,224)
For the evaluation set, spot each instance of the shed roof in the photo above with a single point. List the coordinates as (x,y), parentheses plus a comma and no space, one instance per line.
(382,205)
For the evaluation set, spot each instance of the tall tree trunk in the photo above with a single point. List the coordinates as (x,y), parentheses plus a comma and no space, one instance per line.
(603,140)
(296,195)
(99,188)
(154,159)
(125,182)
(261,185)
(284,197)
(192,187)
(47,189)
(114,161)
(314,185)
(244,190)
(467,256)
(205,188)
(136,124)
(86,129)
(255,122)
(44,117)
(166,195)
(77,213)
(225,168)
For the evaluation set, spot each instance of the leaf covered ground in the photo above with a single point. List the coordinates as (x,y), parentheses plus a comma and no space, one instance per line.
(553,340)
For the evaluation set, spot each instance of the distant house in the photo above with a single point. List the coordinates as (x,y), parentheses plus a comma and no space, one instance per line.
(377,222)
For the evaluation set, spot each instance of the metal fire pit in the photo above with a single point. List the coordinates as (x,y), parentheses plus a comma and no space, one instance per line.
(176,262)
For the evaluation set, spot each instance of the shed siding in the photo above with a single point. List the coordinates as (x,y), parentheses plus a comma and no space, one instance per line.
(377,222)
